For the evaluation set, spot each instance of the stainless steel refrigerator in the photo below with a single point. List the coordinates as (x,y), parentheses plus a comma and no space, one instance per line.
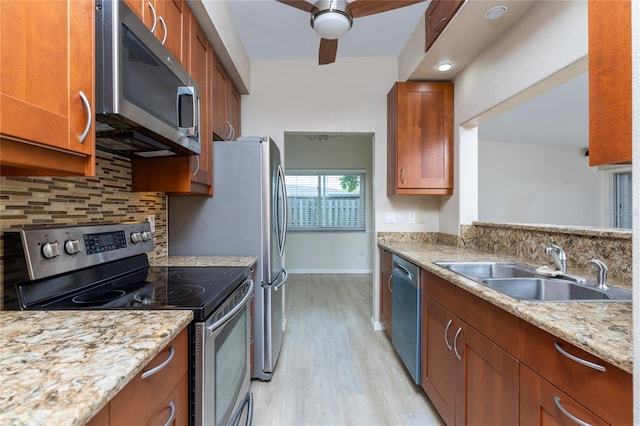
(245,217)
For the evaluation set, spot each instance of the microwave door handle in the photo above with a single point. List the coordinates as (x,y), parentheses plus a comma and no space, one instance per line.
(195,107)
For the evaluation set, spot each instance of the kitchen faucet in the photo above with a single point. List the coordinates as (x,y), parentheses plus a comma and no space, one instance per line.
(558,256)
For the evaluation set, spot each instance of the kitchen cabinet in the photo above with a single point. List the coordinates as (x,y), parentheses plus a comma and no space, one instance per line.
(46,113)
(226,104)
(386,289)
(609,82)
(184,174)
(420,138)
(159,393)
(165,18)
(465,373)
(437,17)
(582,385)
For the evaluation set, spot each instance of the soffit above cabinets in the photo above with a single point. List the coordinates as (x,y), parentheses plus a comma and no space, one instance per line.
(468,34)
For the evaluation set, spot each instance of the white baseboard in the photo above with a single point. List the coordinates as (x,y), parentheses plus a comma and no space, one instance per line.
(377,325)
(329,271)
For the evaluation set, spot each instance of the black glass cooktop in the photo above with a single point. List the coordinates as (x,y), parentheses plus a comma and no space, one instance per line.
(199,288)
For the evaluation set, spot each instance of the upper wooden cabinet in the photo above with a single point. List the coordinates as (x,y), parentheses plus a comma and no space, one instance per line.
(46,112)
(420,138)
(185,174)
(609,82)
(165,18)
(226,104)
(438,15)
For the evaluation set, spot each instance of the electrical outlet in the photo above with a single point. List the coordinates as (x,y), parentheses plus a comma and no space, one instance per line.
(411,217)
(420,217)
(390,217)
(152,222)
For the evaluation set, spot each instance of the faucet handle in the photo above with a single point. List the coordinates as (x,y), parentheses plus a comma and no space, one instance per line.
(602,273)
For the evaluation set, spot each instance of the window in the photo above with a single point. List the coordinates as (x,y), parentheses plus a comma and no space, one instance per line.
(622,200)
(325,200)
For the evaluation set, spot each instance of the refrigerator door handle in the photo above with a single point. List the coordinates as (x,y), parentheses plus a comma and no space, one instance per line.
(284,213)
(276,287)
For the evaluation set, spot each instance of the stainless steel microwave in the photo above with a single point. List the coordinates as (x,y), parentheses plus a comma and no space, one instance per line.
(147,105)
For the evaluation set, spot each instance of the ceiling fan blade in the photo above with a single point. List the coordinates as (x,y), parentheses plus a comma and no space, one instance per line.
(361,8)
(328,50)
(299,4)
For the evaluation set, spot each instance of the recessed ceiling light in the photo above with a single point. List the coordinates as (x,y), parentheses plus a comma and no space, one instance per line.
(446,66)
(495,13)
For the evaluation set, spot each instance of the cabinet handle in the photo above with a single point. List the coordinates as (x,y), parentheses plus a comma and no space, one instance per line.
(401,174)
(579,360)
(230,131)
(389,284)
(441,21)
(164,26)
(87,106)
(446,332)
(172,416)
(197,165)
(455,344)
(155,18)
(564,411)
(154,370)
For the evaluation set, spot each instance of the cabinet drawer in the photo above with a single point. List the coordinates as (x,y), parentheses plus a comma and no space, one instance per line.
(495,323)
(141,398)
(386,258)
(607,393)
(437,288)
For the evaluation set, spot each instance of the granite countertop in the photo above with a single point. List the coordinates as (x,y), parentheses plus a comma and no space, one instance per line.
(62,367)
(205,261)
(603,329)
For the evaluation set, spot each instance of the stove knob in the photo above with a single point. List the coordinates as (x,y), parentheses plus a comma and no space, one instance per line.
(146,236)
(51,250)
(72,246)
(136,237)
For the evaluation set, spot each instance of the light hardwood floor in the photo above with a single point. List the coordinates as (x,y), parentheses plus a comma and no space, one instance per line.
(334,369)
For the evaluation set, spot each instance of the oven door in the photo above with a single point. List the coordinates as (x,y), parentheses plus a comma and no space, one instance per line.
(222,376)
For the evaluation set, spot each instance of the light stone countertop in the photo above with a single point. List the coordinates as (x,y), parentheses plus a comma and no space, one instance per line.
(62,367)
(205,261)
(603,329)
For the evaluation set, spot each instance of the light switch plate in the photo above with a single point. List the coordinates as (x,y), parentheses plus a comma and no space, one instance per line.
(152,222)
(412,217)
(420,217)
(390,217)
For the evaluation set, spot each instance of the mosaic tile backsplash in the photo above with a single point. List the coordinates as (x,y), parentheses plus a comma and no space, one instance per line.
(105,198)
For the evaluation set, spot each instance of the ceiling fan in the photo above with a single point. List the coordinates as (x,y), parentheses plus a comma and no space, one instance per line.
(331,19)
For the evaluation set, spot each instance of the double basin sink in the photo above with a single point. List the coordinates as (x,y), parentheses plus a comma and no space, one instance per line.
(520,281)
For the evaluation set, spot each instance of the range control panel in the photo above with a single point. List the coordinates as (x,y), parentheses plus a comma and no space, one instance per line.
(53,251)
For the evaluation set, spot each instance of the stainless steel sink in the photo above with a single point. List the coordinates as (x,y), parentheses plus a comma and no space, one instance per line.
(520,281)
(553,290)
(475,270)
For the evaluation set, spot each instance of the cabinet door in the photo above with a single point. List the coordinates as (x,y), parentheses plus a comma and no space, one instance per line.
(437,17)
(543,404)
(169,26)
(487,381)
(219,79)
(420,138)
(48,106)
(438,361)
(609,82)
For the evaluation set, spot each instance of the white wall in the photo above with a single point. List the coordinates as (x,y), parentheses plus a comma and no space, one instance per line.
(332,252)
(545,47)
(530,183)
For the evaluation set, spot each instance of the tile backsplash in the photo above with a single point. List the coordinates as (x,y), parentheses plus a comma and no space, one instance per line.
(106,198)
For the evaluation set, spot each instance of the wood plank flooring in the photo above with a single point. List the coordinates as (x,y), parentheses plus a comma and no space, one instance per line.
(334,369)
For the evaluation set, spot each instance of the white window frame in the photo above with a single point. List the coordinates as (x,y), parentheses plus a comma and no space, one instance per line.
(294,226)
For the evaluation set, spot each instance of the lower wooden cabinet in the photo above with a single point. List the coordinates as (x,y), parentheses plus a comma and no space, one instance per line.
(386,289)
(482,365)
(544,404)
(159,395)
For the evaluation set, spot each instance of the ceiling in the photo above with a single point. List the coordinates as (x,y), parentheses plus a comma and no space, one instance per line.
(270,30)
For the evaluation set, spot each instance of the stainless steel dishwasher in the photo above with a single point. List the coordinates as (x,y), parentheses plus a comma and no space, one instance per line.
(405,315)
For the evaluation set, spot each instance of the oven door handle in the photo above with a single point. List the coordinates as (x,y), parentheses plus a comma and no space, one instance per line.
(232,312)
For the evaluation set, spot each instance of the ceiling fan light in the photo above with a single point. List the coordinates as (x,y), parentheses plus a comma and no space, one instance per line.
(331,24)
